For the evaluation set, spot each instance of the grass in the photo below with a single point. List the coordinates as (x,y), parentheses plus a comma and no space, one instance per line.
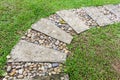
(94,52)
(16,17)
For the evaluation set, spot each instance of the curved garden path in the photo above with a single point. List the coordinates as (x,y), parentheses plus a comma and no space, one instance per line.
(42,51)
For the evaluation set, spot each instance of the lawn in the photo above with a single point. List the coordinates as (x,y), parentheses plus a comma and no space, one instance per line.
(93,54)
(16,16)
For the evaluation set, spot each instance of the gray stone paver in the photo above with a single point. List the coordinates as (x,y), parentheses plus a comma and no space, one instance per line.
(60,76)
(45,26)
(73,20)
(108,14)
(115,9)
(27,52)
(99,17)
(54,77)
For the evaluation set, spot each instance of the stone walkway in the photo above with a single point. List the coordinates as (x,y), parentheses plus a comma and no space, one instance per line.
(42,51)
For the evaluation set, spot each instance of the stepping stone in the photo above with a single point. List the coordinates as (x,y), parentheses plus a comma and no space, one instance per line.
(73,20)
(115,9)
(96,15)
(29,52)
(45,26)
(60,76)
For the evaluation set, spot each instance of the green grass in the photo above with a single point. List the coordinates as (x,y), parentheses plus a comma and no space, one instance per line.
(94,52)
(16,16)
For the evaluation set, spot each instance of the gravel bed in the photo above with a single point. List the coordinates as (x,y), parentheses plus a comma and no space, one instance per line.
(42,39)
(110,15)
(58,21)
(31,70)
(85,17)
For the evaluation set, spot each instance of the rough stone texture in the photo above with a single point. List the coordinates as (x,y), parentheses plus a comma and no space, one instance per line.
(115,9)
(108,14)
(25,51)
(99,17)
(54,77)
(61,76)
(85,17)
(72,19)
(59,22)
(39,38)
(50,29)
(22,70)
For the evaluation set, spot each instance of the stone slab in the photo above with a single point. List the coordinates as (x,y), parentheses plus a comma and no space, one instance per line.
(28,52)
(115,9)
(45,26)
(98,16)
(60,76)
(73,20)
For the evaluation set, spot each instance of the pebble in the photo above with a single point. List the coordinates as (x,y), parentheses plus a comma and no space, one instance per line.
(69,29)
(28,64)
(13,72)
(57,42)
(66,51)
(57,20)
(23,37)
(36,42)
(41,41)
(62,78)
(20,71)
(50,74)
(18,67)
(8,56)
(41,37)
(29,30)
(33,69)
(53,72)
(50,66)
(55,65)
(9,68)
(62,21)
(85,17)
(29,35)
(4,79)
(10,78)
(20,76)
(45,40)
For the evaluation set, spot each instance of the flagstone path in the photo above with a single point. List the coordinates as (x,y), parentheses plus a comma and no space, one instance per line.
(42,51)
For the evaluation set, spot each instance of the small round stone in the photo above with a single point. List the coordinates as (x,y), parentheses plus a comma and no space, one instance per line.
(13,72)
(10,78)
(20,76)
(53,72)
(29,35)
(4,79)
(23,37)
(50,66)
(57,42)
(55,65)
(41,37)
(20,71)
(8,56)
(9,68)
(18,67)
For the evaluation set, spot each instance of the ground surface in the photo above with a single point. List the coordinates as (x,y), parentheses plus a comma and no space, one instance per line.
(95,54)
(17,20)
